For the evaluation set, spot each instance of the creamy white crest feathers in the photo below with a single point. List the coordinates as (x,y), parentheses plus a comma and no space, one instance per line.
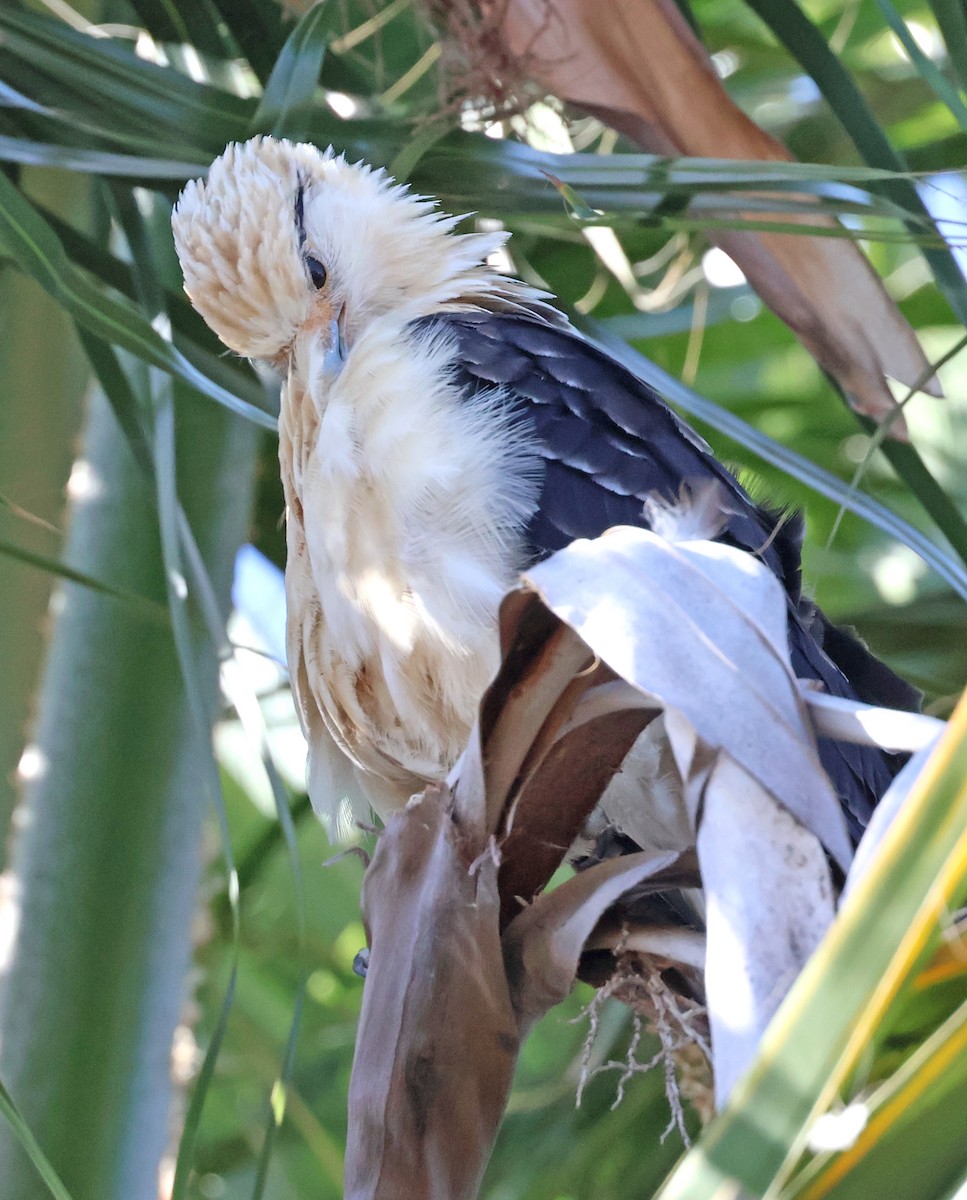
(384,248)
(237,240)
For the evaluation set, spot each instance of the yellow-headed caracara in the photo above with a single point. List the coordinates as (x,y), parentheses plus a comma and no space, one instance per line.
(441,428)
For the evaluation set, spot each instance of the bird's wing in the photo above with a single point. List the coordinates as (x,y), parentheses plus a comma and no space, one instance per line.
(609,442)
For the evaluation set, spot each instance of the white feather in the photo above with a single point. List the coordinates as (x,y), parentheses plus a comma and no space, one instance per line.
(699,514)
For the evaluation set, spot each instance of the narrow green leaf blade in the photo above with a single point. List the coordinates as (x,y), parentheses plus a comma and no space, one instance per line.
(102,80)
(296,72)
(147,608)
(37,250)
(921,1105)
(193,24)
(258,30)
(46,1172)
(94,162)
(929,72)
(952,20)
(189,1133)
(232,374)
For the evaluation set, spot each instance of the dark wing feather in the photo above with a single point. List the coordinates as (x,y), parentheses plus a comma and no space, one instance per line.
(608,439)
(608,442)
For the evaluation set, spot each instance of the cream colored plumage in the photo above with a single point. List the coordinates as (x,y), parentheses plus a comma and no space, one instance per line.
(402,530)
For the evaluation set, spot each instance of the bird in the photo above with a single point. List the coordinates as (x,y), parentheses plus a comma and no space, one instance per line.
(442,427)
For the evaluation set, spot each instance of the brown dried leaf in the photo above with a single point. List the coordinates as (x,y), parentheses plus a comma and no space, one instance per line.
(563,729)
(557,800)
(543,946)
(538,667)
(441,1022)
(437,1040)
(638,66)
(542,757)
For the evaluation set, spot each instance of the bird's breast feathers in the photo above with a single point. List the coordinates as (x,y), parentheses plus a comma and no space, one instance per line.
(417,502)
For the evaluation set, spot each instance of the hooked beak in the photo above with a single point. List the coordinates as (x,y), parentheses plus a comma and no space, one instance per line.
(338,351)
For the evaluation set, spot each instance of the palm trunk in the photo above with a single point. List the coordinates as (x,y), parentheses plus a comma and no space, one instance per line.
(39,359)
(105,862)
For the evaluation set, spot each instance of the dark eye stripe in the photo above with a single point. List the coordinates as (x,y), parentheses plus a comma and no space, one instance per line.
(317,272)
(300,218)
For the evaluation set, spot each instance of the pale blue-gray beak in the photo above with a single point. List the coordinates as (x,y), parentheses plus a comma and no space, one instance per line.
(338,352)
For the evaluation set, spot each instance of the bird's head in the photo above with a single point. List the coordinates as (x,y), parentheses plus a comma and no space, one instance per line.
(282,239)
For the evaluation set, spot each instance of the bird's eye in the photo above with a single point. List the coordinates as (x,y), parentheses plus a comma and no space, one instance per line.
(317,272)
